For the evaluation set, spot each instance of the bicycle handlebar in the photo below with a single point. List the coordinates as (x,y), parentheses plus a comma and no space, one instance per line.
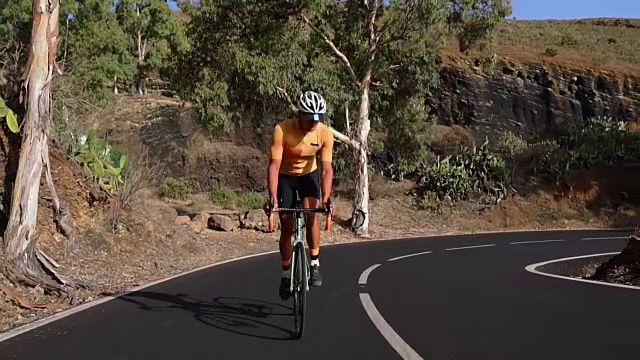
(327,225)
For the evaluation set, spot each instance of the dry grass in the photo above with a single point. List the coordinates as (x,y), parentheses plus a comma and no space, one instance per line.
(603,44)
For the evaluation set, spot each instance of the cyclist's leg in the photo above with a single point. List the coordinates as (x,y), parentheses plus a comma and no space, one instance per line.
(310,194)
(286,199)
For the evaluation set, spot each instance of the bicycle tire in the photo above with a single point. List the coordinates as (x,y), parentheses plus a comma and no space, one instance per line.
(299,291)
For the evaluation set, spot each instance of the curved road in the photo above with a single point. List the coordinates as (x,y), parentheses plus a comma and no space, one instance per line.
(458,297)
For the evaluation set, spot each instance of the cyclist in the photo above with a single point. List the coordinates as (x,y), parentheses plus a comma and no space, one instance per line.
(293,170)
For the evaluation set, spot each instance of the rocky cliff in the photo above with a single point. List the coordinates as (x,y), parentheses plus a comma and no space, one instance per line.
(531,97)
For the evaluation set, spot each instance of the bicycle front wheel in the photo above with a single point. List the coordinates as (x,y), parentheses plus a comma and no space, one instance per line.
(299,290)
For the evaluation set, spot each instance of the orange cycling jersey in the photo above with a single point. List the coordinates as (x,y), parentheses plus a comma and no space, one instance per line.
(298,150)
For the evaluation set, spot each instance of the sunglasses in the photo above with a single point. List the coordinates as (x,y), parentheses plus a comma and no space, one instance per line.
(313,117)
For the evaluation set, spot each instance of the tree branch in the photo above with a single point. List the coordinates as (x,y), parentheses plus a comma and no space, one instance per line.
(373,39)
(344,138)
(335,50)
(284,94)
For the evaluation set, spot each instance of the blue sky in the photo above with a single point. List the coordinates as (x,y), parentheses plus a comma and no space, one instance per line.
(574,9)
(569,9)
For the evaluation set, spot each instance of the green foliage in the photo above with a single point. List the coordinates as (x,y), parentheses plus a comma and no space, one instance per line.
(153,29)
(101,162)
(601,141)
(10,116)
(174,189)
(252,200)
(407,144)
(474,171)
(243,54)
(99,50)
(223,196)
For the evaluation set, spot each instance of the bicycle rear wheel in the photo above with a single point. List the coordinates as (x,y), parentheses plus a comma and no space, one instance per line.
(299,290)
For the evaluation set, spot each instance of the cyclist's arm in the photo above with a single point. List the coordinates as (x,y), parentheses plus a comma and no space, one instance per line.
(326,157)
(275,159)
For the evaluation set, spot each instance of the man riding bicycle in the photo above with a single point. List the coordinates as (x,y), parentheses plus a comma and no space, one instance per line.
(293,170)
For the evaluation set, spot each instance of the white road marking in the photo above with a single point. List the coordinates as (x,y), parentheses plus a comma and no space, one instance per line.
(399,345)
(365,274)
(470,247)
(410,255)
(607,238)
(533,269)
(535,241)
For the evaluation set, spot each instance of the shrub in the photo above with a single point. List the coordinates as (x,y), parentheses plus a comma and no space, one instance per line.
(252,200)
(602,141)
(141,171)
(101,162)
(223,195)
(474,171)
(174,189)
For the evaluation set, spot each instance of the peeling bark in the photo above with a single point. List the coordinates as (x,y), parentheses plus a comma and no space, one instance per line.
(360,215)
(26,263)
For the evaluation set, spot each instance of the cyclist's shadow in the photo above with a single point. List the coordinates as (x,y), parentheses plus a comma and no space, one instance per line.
(238,315)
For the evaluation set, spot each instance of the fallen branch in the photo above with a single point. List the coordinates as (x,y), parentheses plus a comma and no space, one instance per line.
(21,301)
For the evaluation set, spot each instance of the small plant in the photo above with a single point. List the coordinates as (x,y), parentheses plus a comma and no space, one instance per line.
(252,200)
(174,189)
(223,196)
(10,116)
(100,162)
(550,52)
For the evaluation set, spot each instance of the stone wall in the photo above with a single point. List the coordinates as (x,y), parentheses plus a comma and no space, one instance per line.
(531,98)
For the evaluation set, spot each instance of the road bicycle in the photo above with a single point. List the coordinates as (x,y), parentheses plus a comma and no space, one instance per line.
(300,270)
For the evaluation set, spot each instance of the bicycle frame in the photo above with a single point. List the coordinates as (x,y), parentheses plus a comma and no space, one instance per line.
(299,238)
(300,270)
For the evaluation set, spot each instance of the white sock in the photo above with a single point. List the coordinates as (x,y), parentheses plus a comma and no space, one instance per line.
(315,262)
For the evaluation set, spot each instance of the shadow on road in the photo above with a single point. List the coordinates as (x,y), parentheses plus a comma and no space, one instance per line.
(237,315)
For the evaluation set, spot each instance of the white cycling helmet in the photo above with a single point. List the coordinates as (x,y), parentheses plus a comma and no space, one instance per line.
(311,103)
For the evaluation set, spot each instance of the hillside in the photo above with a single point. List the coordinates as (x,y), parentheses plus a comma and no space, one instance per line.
(604,44)
(200,199)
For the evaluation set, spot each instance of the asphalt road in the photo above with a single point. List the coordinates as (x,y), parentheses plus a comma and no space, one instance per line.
(447,303)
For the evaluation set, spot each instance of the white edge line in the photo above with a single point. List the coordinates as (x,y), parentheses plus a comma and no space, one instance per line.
(399,345)
(535,241)
(607,238)
(532,269)
(51,318)
(470,247)
(410,255)
(365,274)
(498,232)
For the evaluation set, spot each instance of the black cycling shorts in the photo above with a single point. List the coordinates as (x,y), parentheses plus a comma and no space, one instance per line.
(291,187)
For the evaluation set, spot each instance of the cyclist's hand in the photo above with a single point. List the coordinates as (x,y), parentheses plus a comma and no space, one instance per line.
(329,206)
(270,205)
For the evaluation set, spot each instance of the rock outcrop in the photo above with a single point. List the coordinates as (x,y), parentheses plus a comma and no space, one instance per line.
(221,220)
(531,98)
(623,268)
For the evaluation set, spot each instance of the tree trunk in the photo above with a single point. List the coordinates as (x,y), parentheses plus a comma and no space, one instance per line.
(25,261)
(360,215)
(142,49)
